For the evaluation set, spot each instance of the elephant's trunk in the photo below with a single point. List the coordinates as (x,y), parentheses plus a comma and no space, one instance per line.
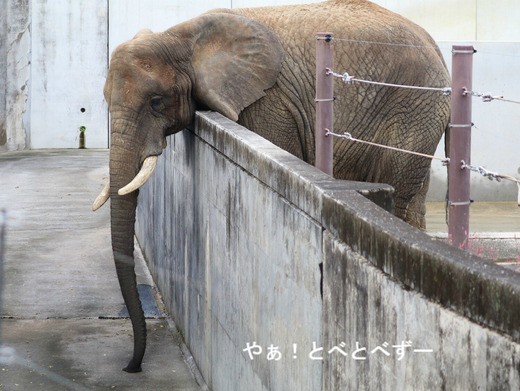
(124,164)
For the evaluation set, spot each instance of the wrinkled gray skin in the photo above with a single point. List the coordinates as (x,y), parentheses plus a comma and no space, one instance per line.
(257,66)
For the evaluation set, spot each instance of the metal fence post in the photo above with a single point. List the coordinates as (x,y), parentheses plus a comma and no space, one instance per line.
(460,146)
(324,101)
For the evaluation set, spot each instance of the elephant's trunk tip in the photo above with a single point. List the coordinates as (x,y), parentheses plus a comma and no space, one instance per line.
(133,368)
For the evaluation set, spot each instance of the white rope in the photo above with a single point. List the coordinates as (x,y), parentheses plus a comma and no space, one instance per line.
(348,136)
(347,79)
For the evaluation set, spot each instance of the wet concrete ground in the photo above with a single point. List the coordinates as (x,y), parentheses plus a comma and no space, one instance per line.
(64,325)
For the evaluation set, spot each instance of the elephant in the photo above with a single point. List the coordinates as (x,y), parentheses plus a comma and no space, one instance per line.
(256,66)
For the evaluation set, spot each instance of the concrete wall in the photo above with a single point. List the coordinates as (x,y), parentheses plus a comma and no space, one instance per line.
(15,46)
(53,70)
(69,63)
(248,244)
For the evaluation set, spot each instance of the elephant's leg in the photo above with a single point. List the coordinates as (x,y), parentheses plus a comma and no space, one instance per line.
(416,211)
(410,177)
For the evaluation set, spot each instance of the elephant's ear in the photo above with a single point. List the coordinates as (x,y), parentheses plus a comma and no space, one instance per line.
(235,60)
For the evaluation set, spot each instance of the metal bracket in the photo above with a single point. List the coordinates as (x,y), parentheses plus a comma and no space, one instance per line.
(326,38)
(455,51)
(461,125)
(462,203)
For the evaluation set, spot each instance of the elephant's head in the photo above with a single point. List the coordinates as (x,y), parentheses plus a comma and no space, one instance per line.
(155,82)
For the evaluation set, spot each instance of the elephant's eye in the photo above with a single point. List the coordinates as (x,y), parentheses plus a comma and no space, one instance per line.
(157,104)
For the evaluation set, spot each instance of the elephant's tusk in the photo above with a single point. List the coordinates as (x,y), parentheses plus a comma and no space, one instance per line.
(101,198)
(141,178)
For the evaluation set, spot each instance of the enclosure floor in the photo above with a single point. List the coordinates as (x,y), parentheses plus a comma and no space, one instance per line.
(64,325)
(493,217)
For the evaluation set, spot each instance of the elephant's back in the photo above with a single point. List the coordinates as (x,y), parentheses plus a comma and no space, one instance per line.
(407,56)
(358,22)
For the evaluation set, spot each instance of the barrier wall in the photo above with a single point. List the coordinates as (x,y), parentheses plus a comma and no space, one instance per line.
(281,278)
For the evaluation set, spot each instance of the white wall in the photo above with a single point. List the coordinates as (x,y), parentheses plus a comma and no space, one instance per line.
(462,20)
(128,17)
(68,70)
(492,27)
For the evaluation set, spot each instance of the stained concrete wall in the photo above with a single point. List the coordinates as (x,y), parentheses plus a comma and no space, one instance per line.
(15,45)
(248,244)
(53,70)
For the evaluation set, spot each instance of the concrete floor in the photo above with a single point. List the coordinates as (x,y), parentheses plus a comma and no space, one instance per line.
(64,325)
(497,217)
(494,230)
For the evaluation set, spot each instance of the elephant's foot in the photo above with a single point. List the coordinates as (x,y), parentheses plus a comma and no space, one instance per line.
(133,367)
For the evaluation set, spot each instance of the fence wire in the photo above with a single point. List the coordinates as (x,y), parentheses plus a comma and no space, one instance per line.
(385,43)
(488,174)
(348,79)
(348,136)
(444,160)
